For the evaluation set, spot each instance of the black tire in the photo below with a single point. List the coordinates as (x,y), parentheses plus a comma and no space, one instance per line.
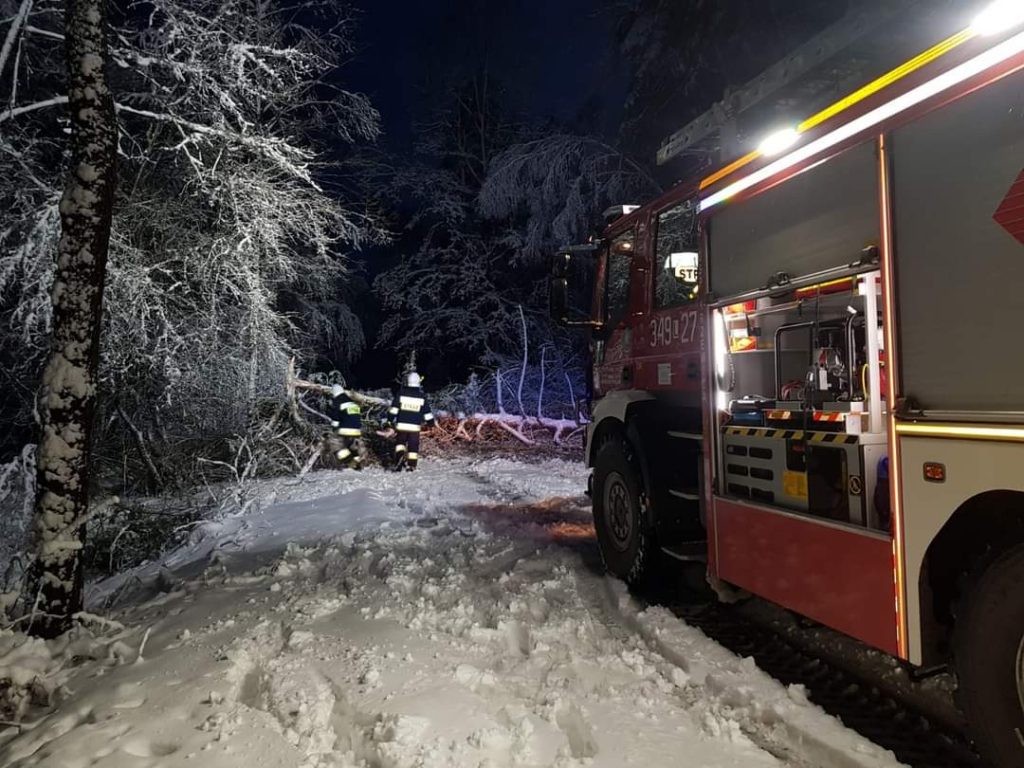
(624,533)
(988,644)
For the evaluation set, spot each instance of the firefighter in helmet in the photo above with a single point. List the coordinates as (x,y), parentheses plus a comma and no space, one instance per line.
(347,421)
(409,414)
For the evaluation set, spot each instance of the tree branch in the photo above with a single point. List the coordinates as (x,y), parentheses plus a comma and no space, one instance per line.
(8,114)
(13,31)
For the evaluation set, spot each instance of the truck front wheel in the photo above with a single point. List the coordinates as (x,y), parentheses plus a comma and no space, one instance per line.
(989,648)
(620,514)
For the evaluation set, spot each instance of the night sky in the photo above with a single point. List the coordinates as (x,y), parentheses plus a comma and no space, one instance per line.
(553,58)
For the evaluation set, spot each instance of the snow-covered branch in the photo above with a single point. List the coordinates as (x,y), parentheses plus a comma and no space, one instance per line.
(230,242)
(560,183)
(12,112)
(13,31)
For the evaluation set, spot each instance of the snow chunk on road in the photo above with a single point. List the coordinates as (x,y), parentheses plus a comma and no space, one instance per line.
(442,619)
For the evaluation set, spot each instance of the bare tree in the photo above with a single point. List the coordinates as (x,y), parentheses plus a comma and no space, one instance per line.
(69,383)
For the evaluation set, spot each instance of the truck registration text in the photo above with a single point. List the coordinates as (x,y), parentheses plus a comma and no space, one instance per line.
(674,329)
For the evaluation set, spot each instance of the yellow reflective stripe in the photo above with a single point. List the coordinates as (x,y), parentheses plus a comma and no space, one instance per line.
(350,408)
(343,454)
(907,68)
(349,432)
(413,456)
(963,431)
(400,448)
(407,427)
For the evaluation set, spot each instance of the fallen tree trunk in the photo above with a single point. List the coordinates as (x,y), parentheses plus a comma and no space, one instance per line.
(294,384)
(527,430)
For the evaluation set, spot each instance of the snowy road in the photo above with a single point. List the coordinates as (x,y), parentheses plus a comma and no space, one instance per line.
(452,618)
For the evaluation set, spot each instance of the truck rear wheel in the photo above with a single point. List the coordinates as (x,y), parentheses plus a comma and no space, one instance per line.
(989,648)
(621,516)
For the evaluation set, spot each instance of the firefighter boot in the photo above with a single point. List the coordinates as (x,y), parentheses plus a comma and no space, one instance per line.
(348,455)
(411,459)
(400,457)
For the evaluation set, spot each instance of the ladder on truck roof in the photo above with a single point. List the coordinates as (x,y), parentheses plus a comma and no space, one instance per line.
(862,44)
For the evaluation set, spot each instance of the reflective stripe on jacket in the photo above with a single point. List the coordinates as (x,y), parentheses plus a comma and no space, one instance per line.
(346,416)
(410,411)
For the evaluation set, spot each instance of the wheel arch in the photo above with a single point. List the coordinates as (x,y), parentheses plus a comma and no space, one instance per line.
(982,528)
(625,430)
(612,415)
(600,431)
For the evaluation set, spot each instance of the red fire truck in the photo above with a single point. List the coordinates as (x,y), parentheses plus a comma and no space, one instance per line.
(807,371)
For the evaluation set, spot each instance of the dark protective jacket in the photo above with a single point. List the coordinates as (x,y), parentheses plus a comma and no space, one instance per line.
(410,411)
(346,416)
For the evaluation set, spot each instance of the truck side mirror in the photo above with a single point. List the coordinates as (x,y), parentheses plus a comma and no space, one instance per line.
(558,289)
(565,267)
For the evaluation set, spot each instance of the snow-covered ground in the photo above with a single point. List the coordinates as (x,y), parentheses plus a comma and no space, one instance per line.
(455,617)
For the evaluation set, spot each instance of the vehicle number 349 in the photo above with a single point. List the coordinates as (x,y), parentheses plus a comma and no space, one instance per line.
(674,329)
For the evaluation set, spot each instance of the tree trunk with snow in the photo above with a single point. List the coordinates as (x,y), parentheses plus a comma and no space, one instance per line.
(69,382)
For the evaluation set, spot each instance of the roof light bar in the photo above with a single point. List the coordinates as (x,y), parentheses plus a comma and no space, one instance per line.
(990,58)
(893,76)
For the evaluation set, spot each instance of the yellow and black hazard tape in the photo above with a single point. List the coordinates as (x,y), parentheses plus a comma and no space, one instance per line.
(793,434)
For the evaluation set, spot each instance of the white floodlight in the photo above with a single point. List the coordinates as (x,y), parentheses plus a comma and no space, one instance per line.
(944,82)
(779,142)
(1000,16)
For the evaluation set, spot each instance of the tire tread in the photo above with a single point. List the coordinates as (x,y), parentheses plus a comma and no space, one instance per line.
(993,602)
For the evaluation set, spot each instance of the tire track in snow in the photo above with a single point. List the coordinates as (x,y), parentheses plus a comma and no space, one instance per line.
(679,701)
(787,728)
(915,738)
(601,601)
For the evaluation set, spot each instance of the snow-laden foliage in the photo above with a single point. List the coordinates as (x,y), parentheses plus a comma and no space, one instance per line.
(549,387)
(456,288)
(552,189)
(493,201)
(229,242)
(17,492)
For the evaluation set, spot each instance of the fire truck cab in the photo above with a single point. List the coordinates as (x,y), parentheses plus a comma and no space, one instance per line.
(805,372)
